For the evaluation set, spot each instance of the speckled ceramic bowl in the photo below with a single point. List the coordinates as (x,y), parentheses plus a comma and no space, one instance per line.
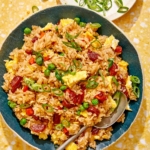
(53,15)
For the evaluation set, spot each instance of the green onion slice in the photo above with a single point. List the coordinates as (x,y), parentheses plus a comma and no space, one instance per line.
(59,127)
(77,63)
(82,3)
(35,9)
(46,87)
(91,83)
(115,81)
(65,123)
(135,79)
(102,76)
(123,9)
(37,87)
(111,61)
(25,106)
(136,91)
(47,108)
(57,92)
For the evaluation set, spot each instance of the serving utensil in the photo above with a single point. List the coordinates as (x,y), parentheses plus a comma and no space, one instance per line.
(105,123)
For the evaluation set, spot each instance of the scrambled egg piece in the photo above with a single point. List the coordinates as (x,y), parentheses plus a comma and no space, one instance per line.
(96,137)
(47,27)
(113,103)
(56,137)
(65,22)
(84,113)
(111,41)
(96,44)
(9,64)
(43,136)
(128,84)
(123,64)
(72,146)
(70,80)
(88,35)
(109,80)
(48,53)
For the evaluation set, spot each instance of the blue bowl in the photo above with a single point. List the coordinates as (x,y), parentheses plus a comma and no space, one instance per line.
(54,14)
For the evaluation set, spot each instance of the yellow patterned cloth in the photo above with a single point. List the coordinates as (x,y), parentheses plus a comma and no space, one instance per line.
(136,25)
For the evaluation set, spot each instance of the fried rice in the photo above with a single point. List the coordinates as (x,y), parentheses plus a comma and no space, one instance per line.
(64,77)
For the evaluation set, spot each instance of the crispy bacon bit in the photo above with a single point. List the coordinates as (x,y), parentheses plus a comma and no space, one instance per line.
(118,50)
(29,51)
(15,83)
(35,117)
(38,127)
(34,39)
(94,110)
(101,96)
(113,69)
(56,118)
(66,104)
(95,130)
(92,55)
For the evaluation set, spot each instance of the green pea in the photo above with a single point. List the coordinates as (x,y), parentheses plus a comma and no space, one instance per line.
(82,24)
(77,20)
(78,112)
(27,30)
(51,66)
(23,121)
(81,108)
(12,104)
(39,60)
(47,72)
(95,101)
(63,87)
(85,105)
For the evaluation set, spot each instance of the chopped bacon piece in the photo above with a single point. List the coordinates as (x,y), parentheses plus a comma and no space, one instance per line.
(38,127)
(101,96)
(92,55)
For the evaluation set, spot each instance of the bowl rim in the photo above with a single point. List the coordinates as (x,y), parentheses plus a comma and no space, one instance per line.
(142,72)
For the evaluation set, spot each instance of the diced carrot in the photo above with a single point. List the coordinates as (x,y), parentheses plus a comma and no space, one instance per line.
(46,58)
(42,34)
(25,88)
(31,60)
(29,111)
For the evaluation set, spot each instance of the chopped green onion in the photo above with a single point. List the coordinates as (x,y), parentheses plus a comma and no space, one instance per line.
(72,69)
(47,108)
(34,9)
(136,91)
(123,9)
(37,87)
(57,92)
(29,82)
(119,3)
(73,45)
(103,78)
(95,25)
(65,123)
(135,79)
(111,61)
(82,3)
(25,106)
(91,82)
(116,97)
(59,127)
(12,104)
(95,101)
(115,81)
(82,24)
(46,87)
(23,121)
(77,63)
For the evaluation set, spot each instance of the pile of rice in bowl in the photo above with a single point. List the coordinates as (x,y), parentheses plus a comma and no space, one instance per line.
(65,77)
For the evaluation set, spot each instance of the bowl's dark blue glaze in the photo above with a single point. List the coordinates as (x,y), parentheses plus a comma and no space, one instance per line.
(54,14)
